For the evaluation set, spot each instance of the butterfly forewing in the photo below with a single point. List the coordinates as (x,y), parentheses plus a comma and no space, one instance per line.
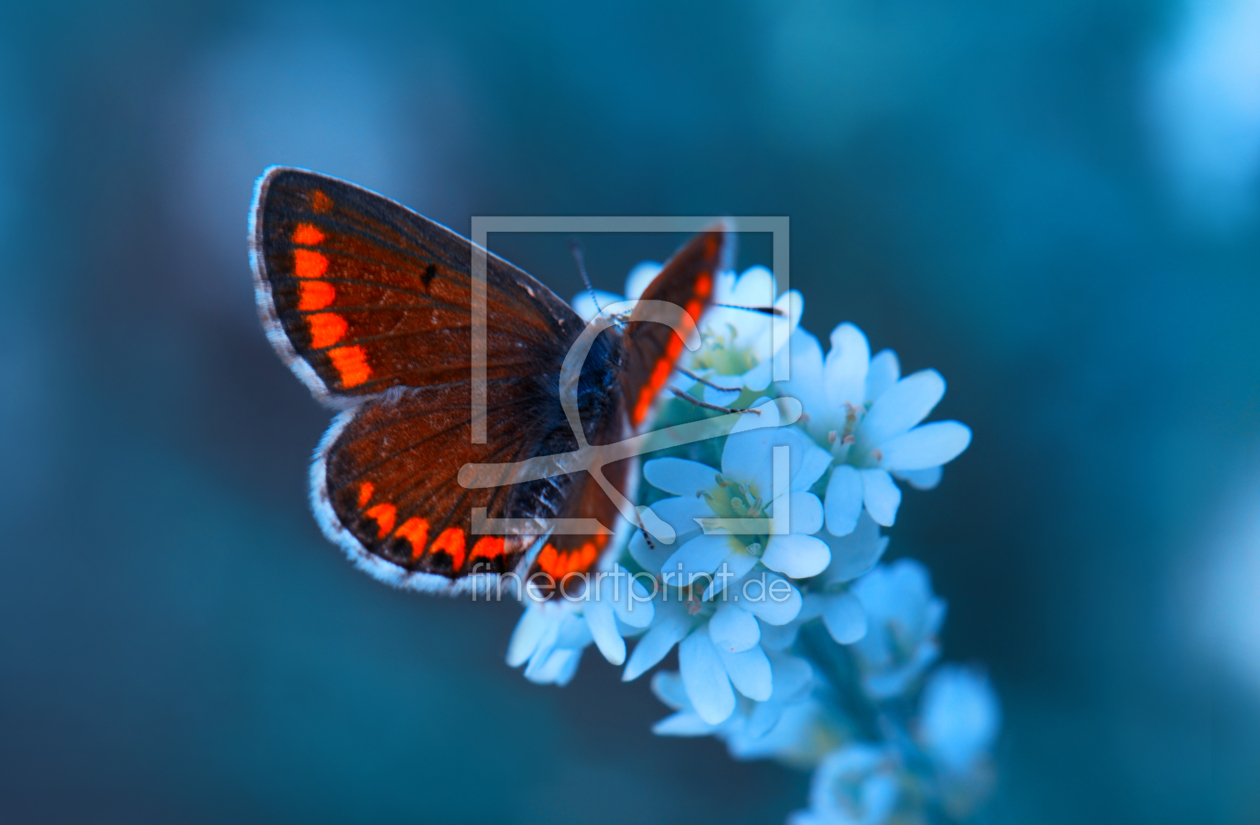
(652,349)
(360,294)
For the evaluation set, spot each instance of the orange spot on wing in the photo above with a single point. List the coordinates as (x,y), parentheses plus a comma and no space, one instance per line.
(351,364)
(383,515)
(309,264)
(704,284)
(365,493)
(660,374)
(558,564)
(671,351)
(451,542)
(665,364)
(488,547)
(326,329)
(641,408)
(320,202)
(314,295)
(307,235)
(416,531)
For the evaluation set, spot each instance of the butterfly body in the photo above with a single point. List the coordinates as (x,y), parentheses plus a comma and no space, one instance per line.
(370,304)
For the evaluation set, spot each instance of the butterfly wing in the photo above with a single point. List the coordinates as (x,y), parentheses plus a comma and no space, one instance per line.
(370,304)
(652,349)
(360,294)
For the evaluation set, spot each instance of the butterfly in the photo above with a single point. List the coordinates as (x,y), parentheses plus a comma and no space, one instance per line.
(371,306)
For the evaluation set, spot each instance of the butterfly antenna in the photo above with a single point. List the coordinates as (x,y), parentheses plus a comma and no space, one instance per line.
(575,247)
(775,311)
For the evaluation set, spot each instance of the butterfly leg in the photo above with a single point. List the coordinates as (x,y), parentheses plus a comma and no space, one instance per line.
(706,382)
(691,398)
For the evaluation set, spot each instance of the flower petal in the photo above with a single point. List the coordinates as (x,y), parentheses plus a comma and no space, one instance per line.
(530,629)
(778,637)
(671,625)
(903,405)
(733,569)
(884,372)
(749,456)
(627,595)
(797,556)
(786,320)
(792,675)
(844,617)
(681,512)
(750,672)
(844,500)
(720,398)
(652,557)
(555,668)
(732,629)
(684,723)
(767,418)
(668,687)
(805,512)
(639,278)
(700,556)
(882,496)
(846,366)
(679,476)
(805,369)
(603,624)
(930,445)
(856,553)
(754,287)
(920,479)
(704,677)
(758,378)
(814,463)
(769,601)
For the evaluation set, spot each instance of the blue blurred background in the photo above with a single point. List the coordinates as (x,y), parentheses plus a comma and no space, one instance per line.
(1056,203)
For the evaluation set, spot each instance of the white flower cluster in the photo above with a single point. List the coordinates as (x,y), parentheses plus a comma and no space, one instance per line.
(793,641)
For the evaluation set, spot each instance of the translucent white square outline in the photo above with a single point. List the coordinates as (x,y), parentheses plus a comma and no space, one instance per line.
(779,228)
(483,225)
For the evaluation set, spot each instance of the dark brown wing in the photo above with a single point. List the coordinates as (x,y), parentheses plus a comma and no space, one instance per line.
(370,304)
(384,484)
(652,349)
(360,294)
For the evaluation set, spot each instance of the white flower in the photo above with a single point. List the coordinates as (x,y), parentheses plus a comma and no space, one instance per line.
(903,618)
(784,726)
(870,418)
(737,345)
(742,490)
(719,641)
(959,718)
(851,556)
(551,635)
(856,785)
